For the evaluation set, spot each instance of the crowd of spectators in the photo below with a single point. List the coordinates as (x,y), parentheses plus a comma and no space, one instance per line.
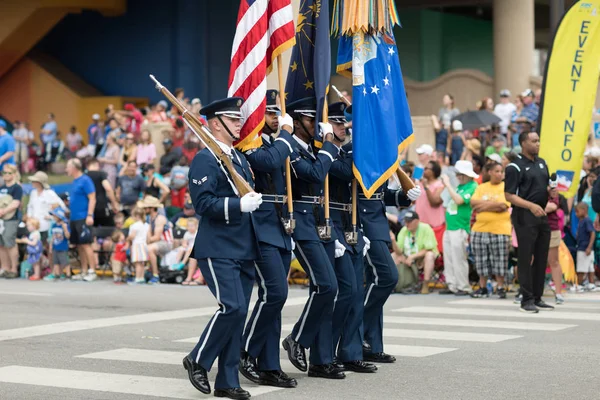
(459,234)
(123,208)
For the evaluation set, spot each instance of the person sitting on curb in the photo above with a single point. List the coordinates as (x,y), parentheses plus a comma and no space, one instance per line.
(415,248)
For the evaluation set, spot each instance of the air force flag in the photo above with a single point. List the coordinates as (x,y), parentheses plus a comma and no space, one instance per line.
(381,123)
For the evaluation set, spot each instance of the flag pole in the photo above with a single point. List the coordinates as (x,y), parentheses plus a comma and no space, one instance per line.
(326,189)
(288,173)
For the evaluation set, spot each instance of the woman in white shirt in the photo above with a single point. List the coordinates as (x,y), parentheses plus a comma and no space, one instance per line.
(41,201)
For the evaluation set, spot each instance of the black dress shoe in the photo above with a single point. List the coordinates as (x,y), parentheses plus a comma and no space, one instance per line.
(248,368)
(233,393)
(296,353)
(543,306)
(197,375)
(359,366)
(461,293)
(277,379)
(379,357)
(446,291)
(327,371)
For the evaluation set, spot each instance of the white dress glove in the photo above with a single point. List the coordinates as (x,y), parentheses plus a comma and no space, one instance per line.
(326,128)
(285,120)
(367,245)
(250,202)
(414,193)
(339,249)
(293,244)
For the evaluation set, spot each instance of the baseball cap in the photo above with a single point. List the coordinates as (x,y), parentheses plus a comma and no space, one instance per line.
(505,93)
(163,103)
(95,117)
(195,101)
(457,125)
(410,216)
(424,149)
(527,92)
(495,157)
(129,107)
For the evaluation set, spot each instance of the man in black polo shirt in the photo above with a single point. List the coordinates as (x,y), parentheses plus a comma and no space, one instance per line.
(526,188)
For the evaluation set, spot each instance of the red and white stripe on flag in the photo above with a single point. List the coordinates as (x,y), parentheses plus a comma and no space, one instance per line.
(265,29)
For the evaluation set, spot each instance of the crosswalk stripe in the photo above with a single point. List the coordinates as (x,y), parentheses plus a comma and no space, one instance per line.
(440,335)
(34,294)
(526,326)
(113,383)
(81,325)
(490,312)
(506,303)
(397,350)
(157,357)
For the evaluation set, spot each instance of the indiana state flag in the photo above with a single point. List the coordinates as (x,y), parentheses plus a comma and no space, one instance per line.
(310,64)
(381,123)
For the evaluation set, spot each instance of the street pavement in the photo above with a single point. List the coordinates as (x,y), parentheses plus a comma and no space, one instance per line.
(98,341)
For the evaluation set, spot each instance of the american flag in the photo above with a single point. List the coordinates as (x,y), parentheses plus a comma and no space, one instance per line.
(265,29)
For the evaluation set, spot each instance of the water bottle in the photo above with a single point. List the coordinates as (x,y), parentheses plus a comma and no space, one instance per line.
(489,287)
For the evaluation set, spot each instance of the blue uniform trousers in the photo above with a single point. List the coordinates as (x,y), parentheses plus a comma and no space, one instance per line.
(348,336)
(263,329)
(381,277)
(313,329)
(230,281)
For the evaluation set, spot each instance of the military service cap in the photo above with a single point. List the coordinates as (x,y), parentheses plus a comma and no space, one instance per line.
(229,107)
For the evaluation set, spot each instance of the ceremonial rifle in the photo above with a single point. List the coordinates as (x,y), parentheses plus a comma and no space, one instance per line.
(240,186)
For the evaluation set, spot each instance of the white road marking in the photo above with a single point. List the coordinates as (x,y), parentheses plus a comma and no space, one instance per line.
(476,323)
(157,357)
(34,294)
(506,303)
(439,335)
(81,325)
(113,383)
(490,312)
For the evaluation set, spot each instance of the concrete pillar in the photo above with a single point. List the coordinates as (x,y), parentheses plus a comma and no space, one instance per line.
(272,80)
(514,43)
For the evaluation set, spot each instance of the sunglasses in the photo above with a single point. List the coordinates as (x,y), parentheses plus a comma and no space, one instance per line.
(6,173)
(129,138)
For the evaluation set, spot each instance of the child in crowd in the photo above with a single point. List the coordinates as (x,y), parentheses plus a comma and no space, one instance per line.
(586,236)
(34,247)
(138,233)
(119,255)
(59,242)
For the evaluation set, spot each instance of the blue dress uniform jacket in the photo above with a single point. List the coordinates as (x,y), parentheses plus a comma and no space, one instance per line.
(224,231)
(267,163)
(340,191)
(308,176)
(263,329)
(372,212)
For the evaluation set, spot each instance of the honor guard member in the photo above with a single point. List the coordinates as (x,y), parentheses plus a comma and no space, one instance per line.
(260,345)
(526,187)
(350,245)
(309,169)
(225,248)
(381,274)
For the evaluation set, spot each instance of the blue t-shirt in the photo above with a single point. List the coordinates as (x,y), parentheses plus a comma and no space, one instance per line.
(78,195)
(52,127)
(16,192)
(584,233)
(59,240)
(7,144)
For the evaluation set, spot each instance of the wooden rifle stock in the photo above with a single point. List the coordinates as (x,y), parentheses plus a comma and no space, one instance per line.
(203,133)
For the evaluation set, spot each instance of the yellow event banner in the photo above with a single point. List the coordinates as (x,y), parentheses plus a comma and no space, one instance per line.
(569,93)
